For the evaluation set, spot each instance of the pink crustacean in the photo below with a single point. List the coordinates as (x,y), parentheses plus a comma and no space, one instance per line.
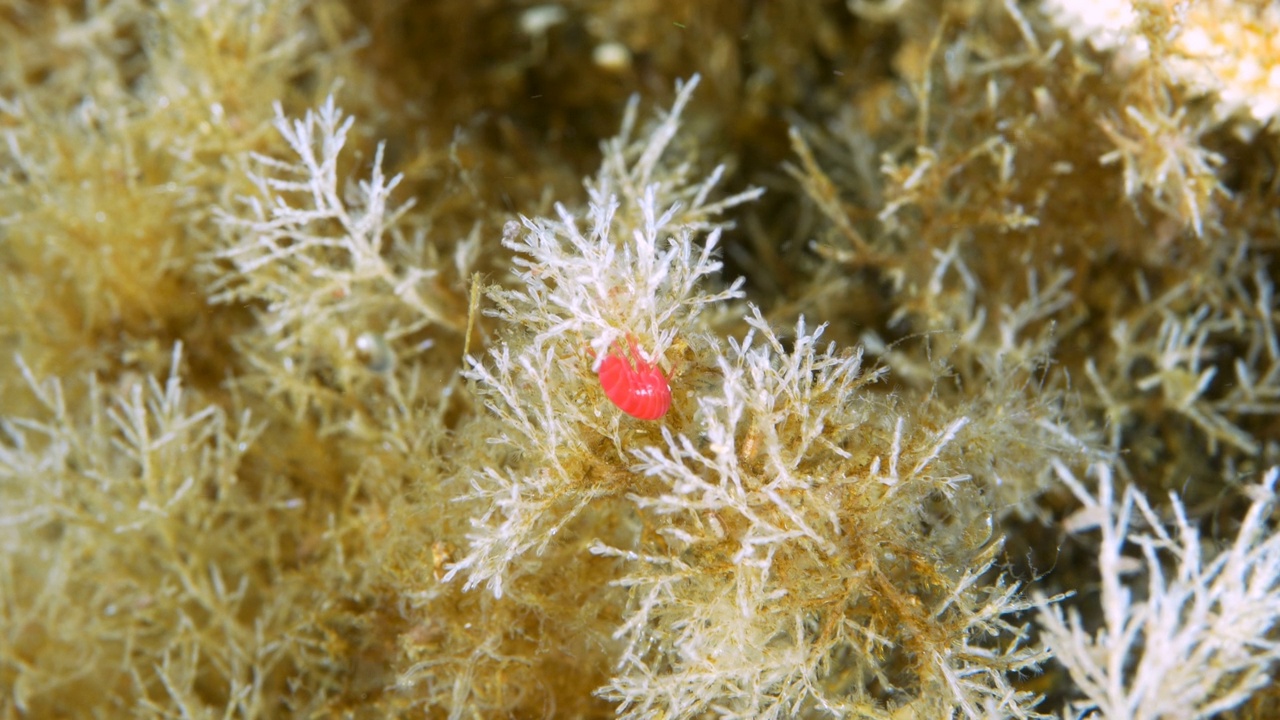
(637,387)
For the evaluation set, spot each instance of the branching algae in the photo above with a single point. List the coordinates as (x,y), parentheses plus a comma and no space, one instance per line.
(908,360)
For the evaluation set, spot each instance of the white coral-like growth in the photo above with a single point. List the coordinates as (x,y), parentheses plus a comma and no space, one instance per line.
(334,267)
(309,226)
(1198,639)
(785,542)
(640,267)
(775,539)
(1104,24)
(1227,50)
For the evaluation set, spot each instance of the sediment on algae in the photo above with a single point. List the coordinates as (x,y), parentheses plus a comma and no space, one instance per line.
(966,311)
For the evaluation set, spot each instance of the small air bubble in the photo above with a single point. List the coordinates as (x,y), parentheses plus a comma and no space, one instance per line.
(373,351)
(611,56)
(100,216)
(538,20)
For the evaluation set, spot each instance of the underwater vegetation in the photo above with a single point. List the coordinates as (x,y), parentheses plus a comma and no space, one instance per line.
(898,359)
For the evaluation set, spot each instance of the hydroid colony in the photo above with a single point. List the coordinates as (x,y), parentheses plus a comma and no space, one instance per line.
(966,311)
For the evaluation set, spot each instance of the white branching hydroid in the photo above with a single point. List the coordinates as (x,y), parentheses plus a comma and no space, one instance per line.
(784,541)
(787,541)
(344,280)
(643,263)
(309,221)
(1198,638)
(642,268)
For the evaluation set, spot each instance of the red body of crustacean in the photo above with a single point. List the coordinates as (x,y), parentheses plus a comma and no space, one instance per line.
(636,387)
